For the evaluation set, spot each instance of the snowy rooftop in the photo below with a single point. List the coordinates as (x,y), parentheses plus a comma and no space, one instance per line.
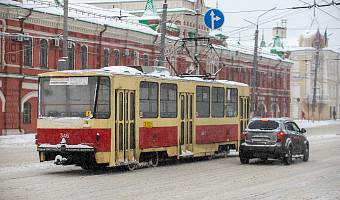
(81,12)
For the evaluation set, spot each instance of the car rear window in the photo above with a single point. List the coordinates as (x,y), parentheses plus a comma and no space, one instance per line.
(263,125)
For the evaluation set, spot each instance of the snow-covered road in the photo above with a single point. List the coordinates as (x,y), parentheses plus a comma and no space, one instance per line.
(22,176)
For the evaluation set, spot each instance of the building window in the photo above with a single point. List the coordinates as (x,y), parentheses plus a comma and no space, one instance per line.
(135,58)
(155,62)
(106,57)
(263,80)
(148,99)
(202,101)
(146,60)
(217,102)
(71,56)
(231,102)
(258,77)
(249,74)
(27,113)
(233,74)
(243,76)
(272,81)
(28,51)
(116,54)
(43,53)
(227,73)
(83,61)
(276,81)
(168,100)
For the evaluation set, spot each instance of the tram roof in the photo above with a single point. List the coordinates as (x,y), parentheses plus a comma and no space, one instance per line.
(152,72)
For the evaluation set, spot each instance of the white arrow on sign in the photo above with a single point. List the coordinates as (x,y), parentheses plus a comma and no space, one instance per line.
(213,18)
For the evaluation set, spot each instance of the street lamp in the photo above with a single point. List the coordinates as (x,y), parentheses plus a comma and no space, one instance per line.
(252,106)
(163,32)
(337,88)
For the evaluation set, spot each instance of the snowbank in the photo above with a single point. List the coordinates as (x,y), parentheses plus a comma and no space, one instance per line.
(310,124)
(10,140)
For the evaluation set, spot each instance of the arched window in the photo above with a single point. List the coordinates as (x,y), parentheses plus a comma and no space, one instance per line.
(146,60)
(28,51)
(106,57)
(135,57)
(43,53)
(71,55)
(116,53)
(83,61)
(27,113)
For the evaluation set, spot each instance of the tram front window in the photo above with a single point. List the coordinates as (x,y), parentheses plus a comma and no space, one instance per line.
(74,97)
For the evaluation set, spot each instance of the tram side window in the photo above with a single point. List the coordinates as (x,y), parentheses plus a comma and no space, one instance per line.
(217,101)
(102,110)
(202,101)
(231,102)
(148,99)
(168,100)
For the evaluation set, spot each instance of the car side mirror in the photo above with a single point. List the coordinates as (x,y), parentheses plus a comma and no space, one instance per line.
(303,130)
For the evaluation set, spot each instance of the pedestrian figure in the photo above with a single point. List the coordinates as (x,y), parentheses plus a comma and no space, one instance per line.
(334,114)
(302,115)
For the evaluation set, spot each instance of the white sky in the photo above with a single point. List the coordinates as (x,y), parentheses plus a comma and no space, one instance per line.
(298,20)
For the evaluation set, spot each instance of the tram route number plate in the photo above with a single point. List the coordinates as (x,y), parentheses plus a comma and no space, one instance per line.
(147,124)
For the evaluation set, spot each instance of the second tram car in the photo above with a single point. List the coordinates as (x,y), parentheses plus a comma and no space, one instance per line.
(120,116)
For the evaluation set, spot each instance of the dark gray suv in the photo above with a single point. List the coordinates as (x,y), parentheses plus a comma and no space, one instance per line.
(277,138)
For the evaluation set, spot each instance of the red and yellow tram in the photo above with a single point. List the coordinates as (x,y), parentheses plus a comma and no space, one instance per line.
(120,116)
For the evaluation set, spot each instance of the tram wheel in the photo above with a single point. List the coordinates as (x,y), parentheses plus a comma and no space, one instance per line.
(154,159)
(131,167)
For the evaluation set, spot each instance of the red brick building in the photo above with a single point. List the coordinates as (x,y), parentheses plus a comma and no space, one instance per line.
(31,43)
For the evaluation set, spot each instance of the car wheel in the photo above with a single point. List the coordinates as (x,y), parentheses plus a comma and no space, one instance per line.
(306,154)
(288,158)
(244,160)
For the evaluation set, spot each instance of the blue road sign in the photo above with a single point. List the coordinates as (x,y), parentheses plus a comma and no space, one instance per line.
(214,19)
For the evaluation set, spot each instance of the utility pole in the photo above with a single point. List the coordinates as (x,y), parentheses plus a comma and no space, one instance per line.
(252,105)
(196,36)
(63,63)
(315,80)
(337,88)
(162,60)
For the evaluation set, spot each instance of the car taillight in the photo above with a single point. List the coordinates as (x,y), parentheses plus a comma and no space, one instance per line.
(243,136)
(280,136)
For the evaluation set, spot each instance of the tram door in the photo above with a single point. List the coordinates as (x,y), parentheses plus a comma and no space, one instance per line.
(186,123)
(125,126)
(244,113)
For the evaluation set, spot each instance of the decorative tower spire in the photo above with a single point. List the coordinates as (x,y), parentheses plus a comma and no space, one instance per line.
(263,43)
(150,8)
(150,16)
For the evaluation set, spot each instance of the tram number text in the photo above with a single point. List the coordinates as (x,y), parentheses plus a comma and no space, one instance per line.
(64,135)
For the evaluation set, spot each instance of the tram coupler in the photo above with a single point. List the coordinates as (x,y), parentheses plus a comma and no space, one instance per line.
(59,160)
